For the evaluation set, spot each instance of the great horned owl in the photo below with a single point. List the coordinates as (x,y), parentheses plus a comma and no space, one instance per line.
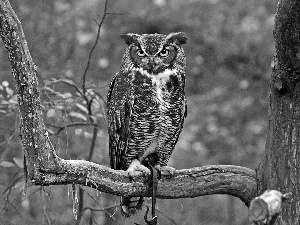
(146,103)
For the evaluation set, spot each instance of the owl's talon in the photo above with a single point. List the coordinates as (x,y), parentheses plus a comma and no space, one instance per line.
(166,171)
(136,170)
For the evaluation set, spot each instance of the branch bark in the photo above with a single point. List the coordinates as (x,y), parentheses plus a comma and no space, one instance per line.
(187,183)
(35,140)
(44,167)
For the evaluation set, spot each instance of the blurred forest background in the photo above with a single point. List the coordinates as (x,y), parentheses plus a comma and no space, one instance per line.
(229,56)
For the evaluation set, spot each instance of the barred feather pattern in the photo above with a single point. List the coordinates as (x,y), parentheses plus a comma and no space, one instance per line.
(143,109)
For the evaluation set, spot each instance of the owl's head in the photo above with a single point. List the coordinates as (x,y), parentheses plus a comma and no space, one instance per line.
(154,52)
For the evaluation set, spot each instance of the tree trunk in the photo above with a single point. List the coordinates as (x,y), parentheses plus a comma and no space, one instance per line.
(280,168)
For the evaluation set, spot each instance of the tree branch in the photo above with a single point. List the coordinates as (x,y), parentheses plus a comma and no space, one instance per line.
(35,140)
(187,183)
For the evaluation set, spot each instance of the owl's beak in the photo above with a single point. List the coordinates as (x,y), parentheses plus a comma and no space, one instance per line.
(151,63)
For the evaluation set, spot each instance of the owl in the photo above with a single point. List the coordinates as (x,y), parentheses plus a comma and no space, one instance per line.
(146,104)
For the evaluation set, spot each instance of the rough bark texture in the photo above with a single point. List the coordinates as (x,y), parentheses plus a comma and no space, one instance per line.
(280,169)
(187,183)
(33,135)
(44,167)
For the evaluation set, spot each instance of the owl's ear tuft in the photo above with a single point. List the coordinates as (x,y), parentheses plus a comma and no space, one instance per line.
(177,38)
(130,38)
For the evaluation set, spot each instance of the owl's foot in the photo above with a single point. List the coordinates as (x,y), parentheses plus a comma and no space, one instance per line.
(165,171)
(129,206)
(137,171)
(153,220)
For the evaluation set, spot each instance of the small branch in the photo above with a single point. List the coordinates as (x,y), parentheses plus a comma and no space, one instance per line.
(93,144)
(68,83)
(75,124)
(188,183)
(93,48)
(89,158)
(266,207)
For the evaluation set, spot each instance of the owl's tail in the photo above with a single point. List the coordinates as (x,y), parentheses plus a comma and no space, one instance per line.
(129,206)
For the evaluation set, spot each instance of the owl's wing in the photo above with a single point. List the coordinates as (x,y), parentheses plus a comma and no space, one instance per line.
(119,109)
(184,114)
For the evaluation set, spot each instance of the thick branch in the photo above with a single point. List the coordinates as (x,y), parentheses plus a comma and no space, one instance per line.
(34,138)
(187,183)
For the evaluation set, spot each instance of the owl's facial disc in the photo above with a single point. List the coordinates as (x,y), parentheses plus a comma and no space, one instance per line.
(153,63)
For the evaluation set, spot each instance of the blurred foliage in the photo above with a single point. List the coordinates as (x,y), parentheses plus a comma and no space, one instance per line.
(228,68)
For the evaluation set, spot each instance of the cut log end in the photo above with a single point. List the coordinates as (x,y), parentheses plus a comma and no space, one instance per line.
(266,207)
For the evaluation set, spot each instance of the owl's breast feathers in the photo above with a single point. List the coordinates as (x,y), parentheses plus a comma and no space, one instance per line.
(167,90)
(143,108)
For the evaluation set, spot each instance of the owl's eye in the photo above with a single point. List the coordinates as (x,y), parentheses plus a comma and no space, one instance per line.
(164,52)
(140,53)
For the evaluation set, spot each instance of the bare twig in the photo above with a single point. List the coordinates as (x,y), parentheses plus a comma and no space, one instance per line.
(65,81)
(72,85)
(88,104)
(104,209)
(7,140)
(45,216)
(81,193)
(74,124)
(93,48)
